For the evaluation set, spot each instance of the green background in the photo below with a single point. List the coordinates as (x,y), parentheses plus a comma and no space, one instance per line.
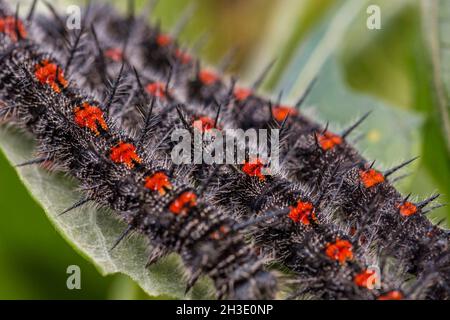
(391,64)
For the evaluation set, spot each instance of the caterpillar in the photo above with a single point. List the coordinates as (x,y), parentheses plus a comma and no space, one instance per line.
(75,134)
(337,274)
(217,234)
(311,150)
(161,92)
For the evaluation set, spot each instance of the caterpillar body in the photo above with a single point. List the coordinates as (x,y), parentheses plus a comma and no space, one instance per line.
(250,195)
(395,221)
(75,134)
(330,256)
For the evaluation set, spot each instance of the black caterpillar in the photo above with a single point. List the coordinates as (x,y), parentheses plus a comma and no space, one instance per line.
(304,247)
(311,150)
(174,218)
(289,245)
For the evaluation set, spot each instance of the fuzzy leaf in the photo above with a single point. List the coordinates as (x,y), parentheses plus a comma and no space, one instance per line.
(92,232)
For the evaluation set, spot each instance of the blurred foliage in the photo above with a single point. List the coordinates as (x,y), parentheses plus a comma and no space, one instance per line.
(391,64)
(394,65)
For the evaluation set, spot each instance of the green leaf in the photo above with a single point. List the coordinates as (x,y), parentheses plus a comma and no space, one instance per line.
(320,45)
(391,134)
(437,27)
(92,232)
(280,40)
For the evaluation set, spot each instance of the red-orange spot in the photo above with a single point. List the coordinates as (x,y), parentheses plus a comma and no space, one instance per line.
(254,169)
(393,295)
(183,203)
(157,89)
(328,140)
(207,77)
(341,250)
(371,177)
(223,231)
(115,54)
(303,212)
(407,209)
(49,73)
(158,182)
(433,232)
(90,117)
(242,94)
(204,124)
(366,279)
(163,40)
(125,153)
(11,27)
(281,112)
(184,57)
